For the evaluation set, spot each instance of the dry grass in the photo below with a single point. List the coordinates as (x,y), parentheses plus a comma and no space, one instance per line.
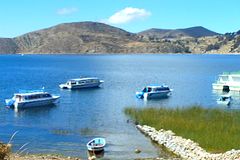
(5,150)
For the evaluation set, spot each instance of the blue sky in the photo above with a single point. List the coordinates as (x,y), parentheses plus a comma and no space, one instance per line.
(21,16)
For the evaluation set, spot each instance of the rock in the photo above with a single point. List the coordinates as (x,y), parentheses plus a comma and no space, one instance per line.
(137,151)
(92,158)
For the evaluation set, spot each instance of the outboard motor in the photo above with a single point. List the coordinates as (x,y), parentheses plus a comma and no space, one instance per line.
(139,95)
(9,102)
(226,89)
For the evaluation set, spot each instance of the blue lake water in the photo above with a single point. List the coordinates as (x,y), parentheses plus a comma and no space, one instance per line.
(84,114)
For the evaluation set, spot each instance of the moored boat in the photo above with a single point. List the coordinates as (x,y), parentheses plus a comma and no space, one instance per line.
(227,82)
(154,92)
(96,144)
(33,98)
(85,82)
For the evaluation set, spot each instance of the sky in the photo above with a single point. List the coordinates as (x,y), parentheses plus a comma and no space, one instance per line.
(18,17)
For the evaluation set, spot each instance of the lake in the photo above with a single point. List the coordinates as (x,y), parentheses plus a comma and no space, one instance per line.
(84,114)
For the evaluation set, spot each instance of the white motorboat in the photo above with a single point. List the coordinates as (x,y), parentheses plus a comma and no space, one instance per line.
(154,92)
(28,99)
(78,83)
(228,82)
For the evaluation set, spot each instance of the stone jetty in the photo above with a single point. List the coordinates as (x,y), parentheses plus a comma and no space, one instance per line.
(185,148)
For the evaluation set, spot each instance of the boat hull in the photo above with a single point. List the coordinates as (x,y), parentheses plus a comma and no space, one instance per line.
(90,85)
(153,95)
(95,149)
(157,95)
(226,103)
(36,103)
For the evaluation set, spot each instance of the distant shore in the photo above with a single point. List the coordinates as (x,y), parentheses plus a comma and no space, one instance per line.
(95,37)
(23,54)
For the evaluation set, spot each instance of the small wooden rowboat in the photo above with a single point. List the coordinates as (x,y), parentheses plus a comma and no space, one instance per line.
(96,144)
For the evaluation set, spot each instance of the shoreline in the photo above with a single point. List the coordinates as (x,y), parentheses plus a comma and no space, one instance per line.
(184,148)
(14,156)
(86,54)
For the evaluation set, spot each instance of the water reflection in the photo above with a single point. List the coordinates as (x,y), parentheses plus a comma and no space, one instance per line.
(95,154)
(160,102)
(34,111)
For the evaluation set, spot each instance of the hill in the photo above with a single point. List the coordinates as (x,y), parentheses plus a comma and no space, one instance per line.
(194,32)
(7,45)
(88,37)
(81,37)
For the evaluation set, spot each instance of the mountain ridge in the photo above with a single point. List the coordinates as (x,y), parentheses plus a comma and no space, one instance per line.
(195,32)
(94,37)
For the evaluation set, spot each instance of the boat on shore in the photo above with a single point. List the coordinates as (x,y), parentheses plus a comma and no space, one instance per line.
(33,98)
(96,144)
(154,92)
(227,82)
(85,82)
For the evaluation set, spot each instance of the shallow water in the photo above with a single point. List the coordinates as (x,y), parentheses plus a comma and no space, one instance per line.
(84,114)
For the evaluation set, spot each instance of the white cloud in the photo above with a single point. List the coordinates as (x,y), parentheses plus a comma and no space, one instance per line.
(127,15)
(67,11)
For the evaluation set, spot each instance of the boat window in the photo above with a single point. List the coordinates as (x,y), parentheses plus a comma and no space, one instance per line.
(46,95)
(95,81)
(19,98)
(82,82)
(73,82)
(149,89)
(236,79)
(224,78)
(34,96)
(162,89)
(144,90)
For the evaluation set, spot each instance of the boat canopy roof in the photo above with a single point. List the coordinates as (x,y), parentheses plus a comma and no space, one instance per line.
(84,78)
(157,86)
(237,73)
(30,92)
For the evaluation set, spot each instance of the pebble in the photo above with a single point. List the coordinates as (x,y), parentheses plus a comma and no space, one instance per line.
(137,151)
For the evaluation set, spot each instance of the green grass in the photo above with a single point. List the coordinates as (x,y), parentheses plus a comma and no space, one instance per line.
(215,130)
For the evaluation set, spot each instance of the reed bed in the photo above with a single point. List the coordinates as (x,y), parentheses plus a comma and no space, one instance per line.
(216,130)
